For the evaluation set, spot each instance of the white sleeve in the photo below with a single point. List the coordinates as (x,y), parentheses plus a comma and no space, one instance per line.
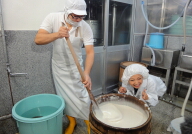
(47,23)
(87,34)
(151,92)
(161,87)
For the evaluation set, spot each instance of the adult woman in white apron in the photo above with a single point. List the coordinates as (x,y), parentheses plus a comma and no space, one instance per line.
(66,76)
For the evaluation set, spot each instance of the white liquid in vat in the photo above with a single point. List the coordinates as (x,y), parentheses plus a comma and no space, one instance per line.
(116,114)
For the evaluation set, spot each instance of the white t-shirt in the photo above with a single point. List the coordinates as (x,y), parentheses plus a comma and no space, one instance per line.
(53,22)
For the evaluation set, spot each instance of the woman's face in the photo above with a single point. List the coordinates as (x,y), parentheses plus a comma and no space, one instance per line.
(136,80)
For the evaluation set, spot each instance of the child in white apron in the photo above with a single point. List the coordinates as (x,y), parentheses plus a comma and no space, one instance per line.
(137,82)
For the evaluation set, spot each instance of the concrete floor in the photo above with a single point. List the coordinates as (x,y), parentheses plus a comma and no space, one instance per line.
(178,101)
(162,114)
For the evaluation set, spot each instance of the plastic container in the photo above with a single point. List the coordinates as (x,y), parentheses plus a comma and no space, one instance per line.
(177,29)
(39,114)
(156,40)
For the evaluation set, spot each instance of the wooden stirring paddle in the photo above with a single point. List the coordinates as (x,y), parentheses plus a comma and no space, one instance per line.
(79,67)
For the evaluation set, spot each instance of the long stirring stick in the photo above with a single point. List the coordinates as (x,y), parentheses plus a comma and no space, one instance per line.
(79,67)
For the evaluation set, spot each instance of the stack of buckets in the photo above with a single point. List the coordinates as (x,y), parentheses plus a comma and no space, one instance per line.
(39,114)
(177,29)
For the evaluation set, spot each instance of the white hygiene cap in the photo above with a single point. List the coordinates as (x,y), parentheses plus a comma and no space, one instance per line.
(77,7)
(134,69)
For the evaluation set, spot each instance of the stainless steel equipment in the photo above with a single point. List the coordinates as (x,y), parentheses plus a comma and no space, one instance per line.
(163,58)
(95,19)
(185,62)
(94,24)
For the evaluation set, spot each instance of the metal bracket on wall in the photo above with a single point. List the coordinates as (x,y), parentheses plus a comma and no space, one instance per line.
(15,74)
(2,35)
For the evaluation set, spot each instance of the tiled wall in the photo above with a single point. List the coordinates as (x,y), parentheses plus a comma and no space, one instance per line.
(27,57)
(24,57)
(5,94)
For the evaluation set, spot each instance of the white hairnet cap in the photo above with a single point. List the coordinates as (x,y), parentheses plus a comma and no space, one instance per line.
(134,69)
(77,7)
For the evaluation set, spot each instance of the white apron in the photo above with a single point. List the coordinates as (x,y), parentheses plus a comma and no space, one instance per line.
(68,81)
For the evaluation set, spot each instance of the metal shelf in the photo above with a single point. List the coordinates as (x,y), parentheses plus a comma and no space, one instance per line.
(181,81)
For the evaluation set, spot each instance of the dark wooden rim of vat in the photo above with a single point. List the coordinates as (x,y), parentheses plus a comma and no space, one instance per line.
(133,62)
(95,129)
(136,100)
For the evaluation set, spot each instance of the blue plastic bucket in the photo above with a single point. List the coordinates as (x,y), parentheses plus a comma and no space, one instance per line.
(39,114)
(156,40)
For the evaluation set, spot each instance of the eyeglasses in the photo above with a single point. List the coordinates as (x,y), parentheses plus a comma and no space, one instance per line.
(76,17)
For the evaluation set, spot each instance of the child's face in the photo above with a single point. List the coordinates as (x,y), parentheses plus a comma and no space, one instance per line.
(136,80)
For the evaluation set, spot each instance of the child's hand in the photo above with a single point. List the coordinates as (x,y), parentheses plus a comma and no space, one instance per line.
(122,90)
(144,95)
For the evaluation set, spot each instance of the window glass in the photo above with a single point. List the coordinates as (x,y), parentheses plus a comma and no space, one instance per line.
(164,13)
(94,18)
(119,23)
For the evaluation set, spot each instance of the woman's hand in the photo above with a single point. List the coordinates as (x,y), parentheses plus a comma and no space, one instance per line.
(87,82)
(144,95)
(122,90)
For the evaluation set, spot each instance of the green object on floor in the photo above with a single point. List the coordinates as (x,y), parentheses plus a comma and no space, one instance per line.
(39,114)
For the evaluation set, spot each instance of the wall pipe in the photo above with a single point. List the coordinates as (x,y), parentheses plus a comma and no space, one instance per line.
(5,53)
(162,14)
(184,32)
(184,21)
(146,32)
(114,24)
(105,42)
(132,41)
(186,99)
(5,117)
(144,45)
(3,35)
